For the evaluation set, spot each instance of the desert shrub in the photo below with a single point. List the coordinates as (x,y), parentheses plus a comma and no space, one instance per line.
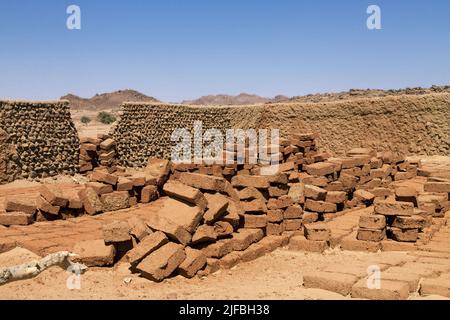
(106,117)
(85,120)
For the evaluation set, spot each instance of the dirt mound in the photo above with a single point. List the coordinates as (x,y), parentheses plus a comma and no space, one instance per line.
(105,101)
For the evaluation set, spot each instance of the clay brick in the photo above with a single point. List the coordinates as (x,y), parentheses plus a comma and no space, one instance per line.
(218,249)
(101,176)
(253,252)
(310,217)
(91,201)
(275,229)
(405,222)
(390,290)
(116,231)
(16,218)
(317,232)
(292,224)
(321,168)
(94,253)
(363,195)
(124,184)
(259,182)
(275,215)
(20,205)
(320,206)
(149,244)
(163,262)
(46,207)
(243,238)
(372,221)
(204,233)
(280,203)
(217,206)
(250,193)
(279,191)
(171,229)
(404,235)
(315,193)
(371,234)
(297,192)
(116,200)
(301,243)
(182,214)
(53,196)
(201,181)
(255,221)
(183,192)
(149,193)
(195,261)
(331,281)
(257,205)
(100,188)
(230,260)
(336,197)
(395,208)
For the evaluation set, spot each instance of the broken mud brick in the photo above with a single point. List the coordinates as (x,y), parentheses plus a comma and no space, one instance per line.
(149,193)
(124,184)
(292,224)
(320,206)
(250,193)
(394,208)
(253,252)
(257,205)
(278,191)
(116,231)
(405,222)
(372,221)
(146,246)
(316,232)
(16,218)
(403,235)
(100,188)
(336,197)
(182,214)
(108,144)
(46,207)
(116,200)
(91,201)
(158,222)
(310,217)
(201,181)
(293,212)
(223,229)
(53,196)
(371,234)
(297,192)
(218,249)
(280,203)
(204,233)
(315,193)
(243,238)
(275,228)
(161,263)
(217,206)
(94,253)
(275,215)
(183,192)
(321,168)
(195,261)
(27,206)
(255,221)
(364,196)
(138,228)
(259,182)
(303,244)
(101,176)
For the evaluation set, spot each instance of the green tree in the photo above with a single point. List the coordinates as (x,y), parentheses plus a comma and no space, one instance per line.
(106,117)
(85,120)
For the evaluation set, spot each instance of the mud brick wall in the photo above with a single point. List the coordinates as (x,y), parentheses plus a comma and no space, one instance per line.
(407,124)
(145,130)
(38,139)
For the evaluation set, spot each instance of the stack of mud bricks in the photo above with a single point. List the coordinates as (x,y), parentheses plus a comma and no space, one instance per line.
(97,152)
(104,193)
(197,231)
(38,140)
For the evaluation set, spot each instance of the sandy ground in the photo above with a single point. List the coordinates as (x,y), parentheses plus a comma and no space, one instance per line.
(94,127)
(276,276)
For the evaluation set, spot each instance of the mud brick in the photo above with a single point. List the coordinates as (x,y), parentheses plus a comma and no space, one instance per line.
(381,192)
(149,193)
(371,234)
(116,231)
(204,233)
(138,228)
(116,200)
(16,218)
(391,245)
(275,228)
(376,163)
(7,244)
(124,184)
(27,206)
(186,215)
(161,263)
(279,179)
(183,192)
(413,222)
(53,196)
(332,281)
(149,244)
(278,191)
(404,235)
(335,186)
(174,231)
(439,286)
(372,221)
(315,181)
(272,242)
(230,260)
(363,195)
(158,167)
(336,197)
(138,180)
(348,181)
(280,203)
(315,193)
(321,168)
(275,215)
(254,221)
(320,206)
(212,266)
(292,224)
(394,208)
(257,205)
(243,238)
(301,243)
(91,201)
(253,252)
(201,181)
(100,188)
(46,207)
(85,167)
(195,261)
(310,217)
(108,144)
(217,207)
(297,192)
(218,249)
(351,243)
(101,176)
(389,290)
(89,147)
(293,212)
(316,232)
(233,213)
(438,187)
(94,253)
(259,182)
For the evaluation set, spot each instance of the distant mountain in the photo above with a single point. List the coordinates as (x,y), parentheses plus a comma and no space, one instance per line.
(105,101)
(226,100)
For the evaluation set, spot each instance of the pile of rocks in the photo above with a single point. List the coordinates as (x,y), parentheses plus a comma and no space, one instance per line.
(43,137)
(97,153)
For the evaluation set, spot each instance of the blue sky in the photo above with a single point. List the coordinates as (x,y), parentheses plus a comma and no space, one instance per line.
(182,49)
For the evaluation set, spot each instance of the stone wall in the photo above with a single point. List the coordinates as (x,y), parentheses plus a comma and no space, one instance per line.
(37,139)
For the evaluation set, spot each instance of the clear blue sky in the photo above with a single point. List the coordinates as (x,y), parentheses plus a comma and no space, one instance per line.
(182,49)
